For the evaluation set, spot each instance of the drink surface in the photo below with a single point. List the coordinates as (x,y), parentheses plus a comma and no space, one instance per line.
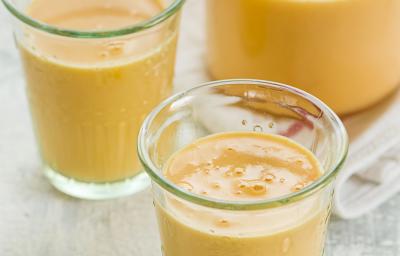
(94,14)
(243,166)
(88,97)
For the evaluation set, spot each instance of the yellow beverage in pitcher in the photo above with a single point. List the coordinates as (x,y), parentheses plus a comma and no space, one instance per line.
(345,52)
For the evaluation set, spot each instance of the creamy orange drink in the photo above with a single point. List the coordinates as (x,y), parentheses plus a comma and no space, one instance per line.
(91,77)
(242,166)
(345,52)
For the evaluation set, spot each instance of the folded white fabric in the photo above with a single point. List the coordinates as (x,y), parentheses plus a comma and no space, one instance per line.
(371,174)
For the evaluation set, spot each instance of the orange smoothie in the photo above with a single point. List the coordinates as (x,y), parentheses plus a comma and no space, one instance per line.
(345,52)
(88,96)
(243,167)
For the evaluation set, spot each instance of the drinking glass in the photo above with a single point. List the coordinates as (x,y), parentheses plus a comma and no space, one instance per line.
(89,91)
(293,224)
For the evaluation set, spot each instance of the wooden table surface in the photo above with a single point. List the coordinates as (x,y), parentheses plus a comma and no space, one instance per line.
(36,220)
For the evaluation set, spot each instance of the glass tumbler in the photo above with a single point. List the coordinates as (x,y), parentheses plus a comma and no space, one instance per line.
(289,225)
(90,90)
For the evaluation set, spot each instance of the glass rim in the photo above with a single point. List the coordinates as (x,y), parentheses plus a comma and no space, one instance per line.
(144,25)
(156,174)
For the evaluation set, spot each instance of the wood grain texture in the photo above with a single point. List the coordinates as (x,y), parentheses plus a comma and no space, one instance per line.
(37,220)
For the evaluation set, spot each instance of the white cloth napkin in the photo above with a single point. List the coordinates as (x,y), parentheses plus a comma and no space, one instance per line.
(371,174)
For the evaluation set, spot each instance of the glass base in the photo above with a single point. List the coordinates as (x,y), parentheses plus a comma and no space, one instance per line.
(97,191)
